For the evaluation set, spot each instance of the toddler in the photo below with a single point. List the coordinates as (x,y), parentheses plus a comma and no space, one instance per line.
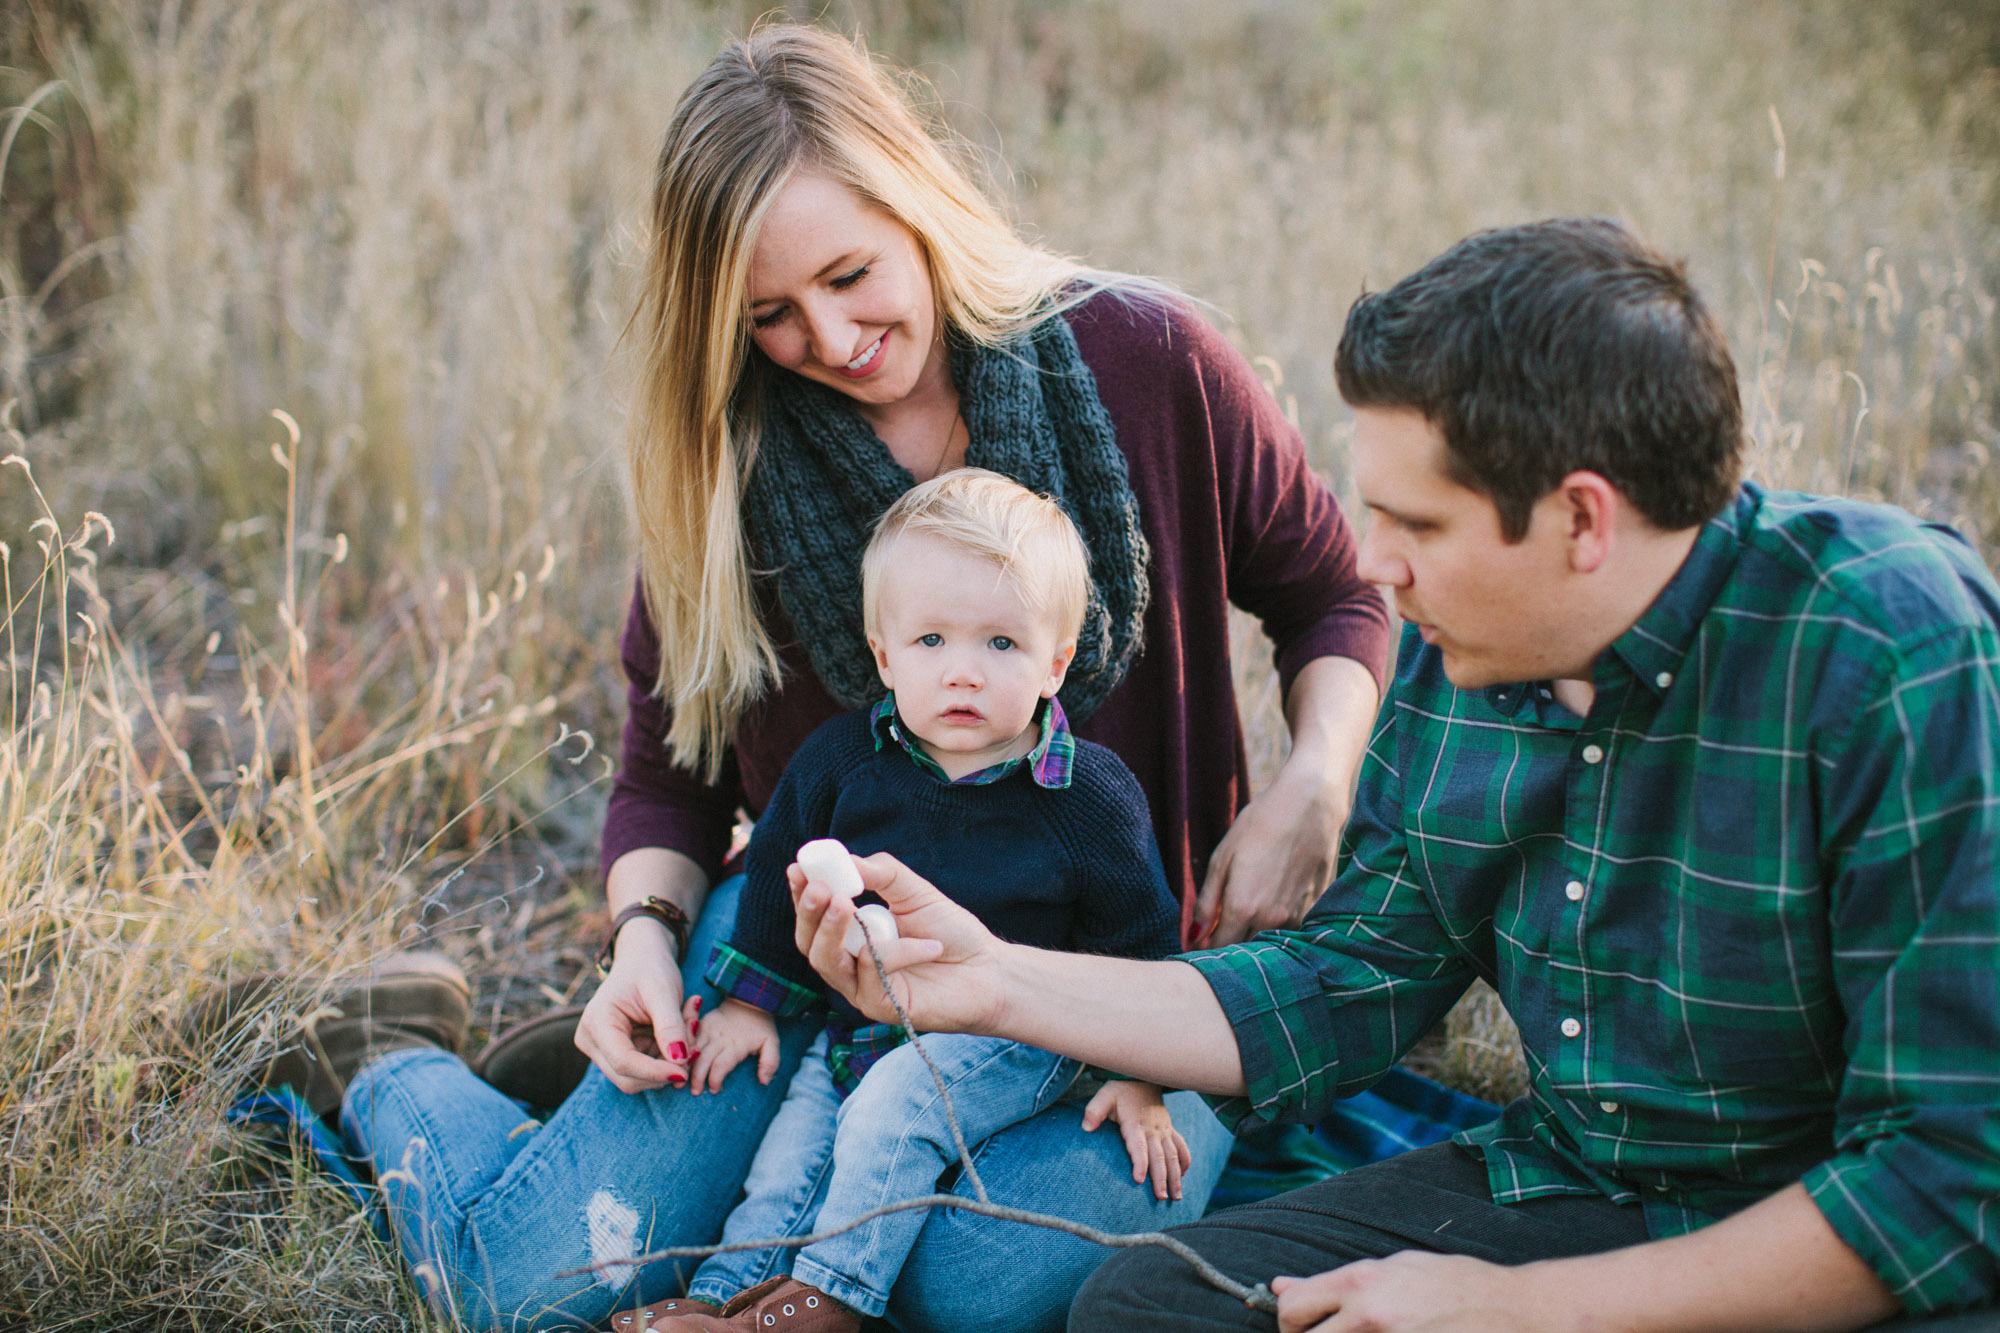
(973,593)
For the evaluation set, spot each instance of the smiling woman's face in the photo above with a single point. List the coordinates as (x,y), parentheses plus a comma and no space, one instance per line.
(840,292)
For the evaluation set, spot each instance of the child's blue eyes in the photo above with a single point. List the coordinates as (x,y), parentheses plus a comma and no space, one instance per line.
(999,642)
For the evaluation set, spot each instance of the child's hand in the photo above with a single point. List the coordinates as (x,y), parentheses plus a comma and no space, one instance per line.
(734,1031)
(1156,1146)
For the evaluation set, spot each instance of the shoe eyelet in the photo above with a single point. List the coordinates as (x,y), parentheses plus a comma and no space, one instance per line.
(789,1312)
(812,1302)
(769,1320)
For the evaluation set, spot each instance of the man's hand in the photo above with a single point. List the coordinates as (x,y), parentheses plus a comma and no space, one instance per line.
(943,967)
(634,1028)
(1413,1291)
(1276,859)
(734,1032)
(1158,1020)
(1776,1265)
(1157,1148)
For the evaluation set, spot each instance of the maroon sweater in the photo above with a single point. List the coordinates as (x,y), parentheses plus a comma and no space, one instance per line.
(1233,514)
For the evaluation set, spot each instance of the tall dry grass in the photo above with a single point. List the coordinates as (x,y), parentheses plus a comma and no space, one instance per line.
(313,705)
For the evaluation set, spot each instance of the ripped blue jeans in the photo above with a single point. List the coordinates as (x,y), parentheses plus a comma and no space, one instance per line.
(513,1225)
(826,1161)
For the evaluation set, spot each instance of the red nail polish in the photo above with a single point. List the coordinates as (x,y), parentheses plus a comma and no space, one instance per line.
(677,1051)
(678,1080)
(697,1004)
(694,1027)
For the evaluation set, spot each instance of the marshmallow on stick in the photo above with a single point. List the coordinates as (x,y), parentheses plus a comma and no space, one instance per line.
(871,921)
(825,861)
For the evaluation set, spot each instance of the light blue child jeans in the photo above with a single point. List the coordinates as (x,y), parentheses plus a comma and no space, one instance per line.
(826,1161)
(496,1214)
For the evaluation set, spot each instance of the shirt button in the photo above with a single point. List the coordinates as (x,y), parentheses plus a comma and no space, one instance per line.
(1609,1108)
(1571,1027)
(1573,891)
(1664,679)
(1593,754)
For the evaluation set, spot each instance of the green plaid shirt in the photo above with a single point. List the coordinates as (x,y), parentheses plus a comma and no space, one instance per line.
(1049,763)
(1744,912)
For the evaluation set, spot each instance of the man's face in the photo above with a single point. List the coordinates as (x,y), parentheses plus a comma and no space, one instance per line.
(1495,609)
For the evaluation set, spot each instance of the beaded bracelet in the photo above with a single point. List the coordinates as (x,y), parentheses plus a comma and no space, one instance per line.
(663,910)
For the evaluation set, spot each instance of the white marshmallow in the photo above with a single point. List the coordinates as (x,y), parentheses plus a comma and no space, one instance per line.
(825,861)
(871,921)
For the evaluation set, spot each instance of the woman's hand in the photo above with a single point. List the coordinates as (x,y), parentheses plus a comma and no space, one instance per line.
(1157,1148)
(1276,859)
(634,1028)
(735,1031)
(945,965)
(1279,855)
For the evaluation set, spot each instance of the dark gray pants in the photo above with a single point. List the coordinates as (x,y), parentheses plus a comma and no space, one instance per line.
(1431,1199)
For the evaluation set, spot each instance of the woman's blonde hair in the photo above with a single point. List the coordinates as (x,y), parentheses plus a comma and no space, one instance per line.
(1029,539)
(787,97)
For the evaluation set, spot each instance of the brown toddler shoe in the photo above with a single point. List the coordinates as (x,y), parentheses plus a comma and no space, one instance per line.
(785,1305)
(672,1314)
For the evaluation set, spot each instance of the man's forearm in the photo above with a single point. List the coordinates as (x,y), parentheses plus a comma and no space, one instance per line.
(1776,1265)
(1157,1021)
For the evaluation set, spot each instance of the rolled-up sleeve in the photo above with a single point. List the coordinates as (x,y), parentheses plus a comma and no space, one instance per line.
(1323,1011)
(1914,803)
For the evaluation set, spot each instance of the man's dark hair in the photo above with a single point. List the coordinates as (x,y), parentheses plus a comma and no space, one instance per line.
(1542,349)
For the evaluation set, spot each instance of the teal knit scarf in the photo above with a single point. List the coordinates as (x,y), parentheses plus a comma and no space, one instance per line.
(822,479)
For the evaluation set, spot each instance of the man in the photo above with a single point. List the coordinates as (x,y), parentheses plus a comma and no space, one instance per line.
(1705,781)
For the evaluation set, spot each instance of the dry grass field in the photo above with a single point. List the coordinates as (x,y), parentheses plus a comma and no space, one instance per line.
(314,538)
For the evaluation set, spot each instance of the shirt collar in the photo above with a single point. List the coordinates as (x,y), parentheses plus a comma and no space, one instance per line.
(1654,648)
(1049,763)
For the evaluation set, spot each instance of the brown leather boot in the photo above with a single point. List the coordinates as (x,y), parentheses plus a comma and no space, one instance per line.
(411,999)
(538,1061)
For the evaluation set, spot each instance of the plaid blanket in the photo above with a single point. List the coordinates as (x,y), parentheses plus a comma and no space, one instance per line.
(1401,1112)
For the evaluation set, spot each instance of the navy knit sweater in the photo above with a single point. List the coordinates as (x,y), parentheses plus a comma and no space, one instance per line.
(1070,868)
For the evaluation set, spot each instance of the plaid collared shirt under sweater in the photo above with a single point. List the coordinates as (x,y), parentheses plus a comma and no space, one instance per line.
(852,1049)
(1744,911)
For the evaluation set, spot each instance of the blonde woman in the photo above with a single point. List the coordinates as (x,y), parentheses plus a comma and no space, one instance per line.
(833,313)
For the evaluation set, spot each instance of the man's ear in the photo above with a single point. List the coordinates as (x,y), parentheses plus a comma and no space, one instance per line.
(876,646)
(1592,509)
(1059,668)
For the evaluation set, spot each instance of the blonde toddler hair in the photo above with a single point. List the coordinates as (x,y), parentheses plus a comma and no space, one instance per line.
(1030,540)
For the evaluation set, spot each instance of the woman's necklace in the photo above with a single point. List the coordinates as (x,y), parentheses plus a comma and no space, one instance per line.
(950,433)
